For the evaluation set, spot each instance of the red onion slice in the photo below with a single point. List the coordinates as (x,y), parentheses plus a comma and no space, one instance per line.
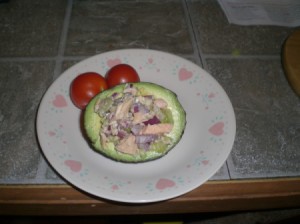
(152,121)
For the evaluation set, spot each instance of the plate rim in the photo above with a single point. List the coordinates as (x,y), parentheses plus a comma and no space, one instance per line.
(112,198)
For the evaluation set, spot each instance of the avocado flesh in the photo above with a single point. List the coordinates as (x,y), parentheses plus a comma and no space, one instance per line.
(173,113)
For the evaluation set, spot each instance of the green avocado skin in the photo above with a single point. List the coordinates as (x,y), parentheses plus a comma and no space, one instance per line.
(92,122)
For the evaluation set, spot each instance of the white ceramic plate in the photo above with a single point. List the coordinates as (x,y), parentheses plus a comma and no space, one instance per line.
(203,149)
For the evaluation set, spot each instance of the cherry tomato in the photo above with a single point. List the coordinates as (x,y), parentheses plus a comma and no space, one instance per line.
(121,73)
(85,86)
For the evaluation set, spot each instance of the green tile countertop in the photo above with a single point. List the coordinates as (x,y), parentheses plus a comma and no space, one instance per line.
(39,39)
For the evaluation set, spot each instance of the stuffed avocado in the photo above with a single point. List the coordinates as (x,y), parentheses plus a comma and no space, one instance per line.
(134,122)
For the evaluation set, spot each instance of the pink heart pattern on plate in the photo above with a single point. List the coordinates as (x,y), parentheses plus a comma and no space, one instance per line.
(164,183)
(184,74)
(59,101)
(74,165)
(51,133)
(217,129)
(205,162)
(113,62)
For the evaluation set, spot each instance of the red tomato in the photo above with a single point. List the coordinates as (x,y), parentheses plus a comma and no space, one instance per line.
(121,73)
(85,86)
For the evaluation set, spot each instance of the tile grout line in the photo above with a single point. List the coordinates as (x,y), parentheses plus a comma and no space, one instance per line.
(31,181)
(205,56)
(227,166)
(26,59)
(63,40)
(46,58)
(195,39)
(230,56)
(201,56)
(42,167)
(192,32)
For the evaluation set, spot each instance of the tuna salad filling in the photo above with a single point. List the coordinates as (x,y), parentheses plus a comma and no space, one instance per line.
(133,122)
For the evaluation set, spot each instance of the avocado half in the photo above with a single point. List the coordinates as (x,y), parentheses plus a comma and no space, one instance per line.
(96,118)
